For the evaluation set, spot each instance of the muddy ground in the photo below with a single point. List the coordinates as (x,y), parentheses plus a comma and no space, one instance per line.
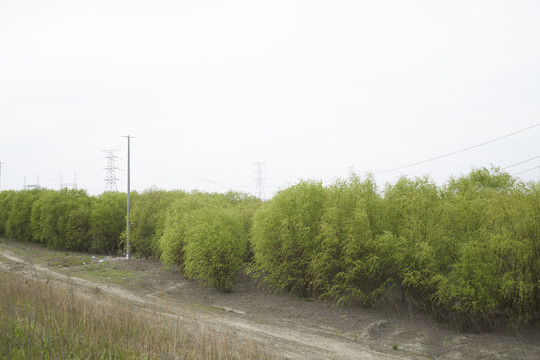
(284,324)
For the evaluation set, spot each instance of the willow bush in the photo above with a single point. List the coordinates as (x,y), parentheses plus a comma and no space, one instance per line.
(412,219)
(6,198)
(64,219)
(172,241)
(17,226)
(348,266)
(470,247)
(285,238)
(215,246)
(147,220)
(205,235)
(323,241)
(44,218)
(497,265)
(61,219)
(107,222)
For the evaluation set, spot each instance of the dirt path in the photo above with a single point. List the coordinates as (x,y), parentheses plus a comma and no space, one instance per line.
(291,343)
(290,327)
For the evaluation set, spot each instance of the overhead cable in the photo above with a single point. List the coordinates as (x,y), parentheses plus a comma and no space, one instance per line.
(522,162)
(456,152)
(521,172)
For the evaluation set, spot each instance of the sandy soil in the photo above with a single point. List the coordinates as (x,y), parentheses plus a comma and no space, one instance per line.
(286,325)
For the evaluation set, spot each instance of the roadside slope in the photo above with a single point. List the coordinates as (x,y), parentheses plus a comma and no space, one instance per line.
(290,343)
(283,324)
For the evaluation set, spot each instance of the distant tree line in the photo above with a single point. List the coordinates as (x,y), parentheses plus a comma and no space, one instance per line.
(65,219)
(469,248)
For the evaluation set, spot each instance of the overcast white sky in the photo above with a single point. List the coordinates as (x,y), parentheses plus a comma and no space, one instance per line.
(311,88)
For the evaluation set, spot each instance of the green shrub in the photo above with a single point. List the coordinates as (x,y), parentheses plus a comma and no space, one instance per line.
(412,220)
(44,218)
(205,236)
(348,266)
(285,238)
(215,246)
(107,222)
(61,219)
(471,247)
(496,271)
(246,206)
(6,198)
(74,220)
(172,241)
(147,220)
(17,226)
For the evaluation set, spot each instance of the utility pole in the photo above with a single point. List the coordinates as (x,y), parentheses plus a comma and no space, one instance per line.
(128,195)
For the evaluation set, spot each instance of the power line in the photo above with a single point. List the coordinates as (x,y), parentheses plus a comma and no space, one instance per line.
(522,162)
(521,172)
(456,152)
(223,171)
(173,167)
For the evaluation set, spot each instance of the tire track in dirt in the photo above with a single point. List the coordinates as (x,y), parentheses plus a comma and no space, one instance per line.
(297,343)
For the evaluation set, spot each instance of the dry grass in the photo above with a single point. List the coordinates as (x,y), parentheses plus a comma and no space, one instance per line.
(39,319)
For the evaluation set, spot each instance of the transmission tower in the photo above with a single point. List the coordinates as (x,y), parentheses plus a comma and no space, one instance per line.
(259,188)
(110,180)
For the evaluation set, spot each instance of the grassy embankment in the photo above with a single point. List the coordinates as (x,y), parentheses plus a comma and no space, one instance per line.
(39,319)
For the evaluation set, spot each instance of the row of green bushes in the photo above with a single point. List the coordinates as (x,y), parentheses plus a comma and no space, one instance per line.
(65,219)
(470,247)
(206,235)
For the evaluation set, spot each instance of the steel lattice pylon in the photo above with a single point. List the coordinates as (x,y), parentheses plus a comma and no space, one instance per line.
(110,179)
(259,188)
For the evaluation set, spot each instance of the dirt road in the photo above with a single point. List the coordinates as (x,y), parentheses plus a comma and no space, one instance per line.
(286,325)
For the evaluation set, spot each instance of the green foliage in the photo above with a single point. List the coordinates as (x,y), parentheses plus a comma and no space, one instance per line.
(17,226)
(412,220)
(497,268)
(285,238)
(107,221)
(61,219)
(172,241)
(44,218)
(6,197)
(246,206)
(471,247)
(215,245)
(73,222)
(348,266)
(205,237)
(147,220)
(323,241)
(468,248)
(66,219)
